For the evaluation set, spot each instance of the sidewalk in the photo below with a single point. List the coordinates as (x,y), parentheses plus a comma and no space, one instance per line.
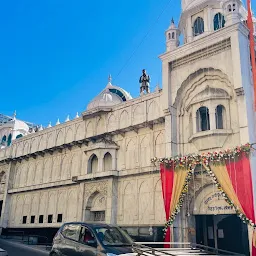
(39,248)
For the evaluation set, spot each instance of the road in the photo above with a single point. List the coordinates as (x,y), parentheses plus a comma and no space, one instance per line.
(15,249)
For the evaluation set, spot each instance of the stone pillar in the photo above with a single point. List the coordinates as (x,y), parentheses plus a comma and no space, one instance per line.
(80,202)
(189,30)
(212,117)
(111,201)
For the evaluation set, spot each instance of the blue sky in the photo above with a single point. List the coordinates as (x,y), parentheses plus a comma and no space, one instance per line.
(56,55)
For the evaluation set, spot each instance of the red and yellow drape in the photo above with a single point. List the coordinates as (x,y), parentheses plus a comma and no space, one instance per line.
(234,177)
(173,181)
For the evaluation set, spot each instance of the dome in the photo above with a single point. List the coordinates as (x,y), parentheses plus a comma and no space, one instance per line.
(189,4)
(110,96)
(20,125)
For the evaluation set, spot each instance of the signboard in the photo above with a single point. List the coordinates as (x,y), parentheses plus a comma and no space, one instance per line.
(210,201)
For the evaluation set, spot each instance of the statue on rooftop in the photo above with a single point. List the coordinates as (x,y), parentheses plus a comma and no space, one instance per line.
(144,82)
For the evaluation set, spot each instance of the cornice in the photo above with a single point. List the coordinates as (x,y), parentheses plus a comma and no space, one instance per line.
(207,40)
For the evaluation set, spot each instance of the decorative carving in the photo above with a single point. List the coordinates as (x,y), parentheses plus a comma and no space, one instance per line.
(100,187)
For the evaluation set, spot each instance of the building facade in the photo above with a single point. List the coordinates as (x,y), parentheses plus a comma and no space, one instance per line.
(97,167)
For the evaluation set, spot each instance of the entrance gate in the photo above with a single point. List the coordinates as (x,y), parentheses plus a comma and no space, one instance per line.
(225,232)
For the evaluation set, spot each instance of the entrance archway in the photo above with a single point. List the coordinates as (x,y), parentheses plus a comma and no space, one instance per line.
(96,207)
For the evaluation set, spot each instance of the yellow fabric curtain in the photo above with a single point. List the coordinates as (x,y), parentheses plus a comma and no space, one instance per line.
(180,175)
(223,178)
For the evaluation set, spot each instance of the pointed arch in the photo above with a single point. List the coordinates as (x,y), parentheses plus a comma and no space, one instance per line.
(131,153)
(112,123)
(34,145)
(23,175)
(124,120)
(92,166)
(75,164)
(89,129)
(72,205)
(138,115)
(66,166)
(31,174)
(26,148)
(145,151)
(128,200)
(101,128)
(159,204)
(43,142)
(69,135)
(153,110)
(160,145)
(107,162)
(60,138)
(80,131)
(145,202)
(56,168)
(47,170)
(37,177)
(50,140)
(9,139)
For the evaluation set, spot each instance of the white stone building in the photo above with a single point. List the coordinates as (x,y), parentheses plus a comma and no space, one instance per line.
(97,167)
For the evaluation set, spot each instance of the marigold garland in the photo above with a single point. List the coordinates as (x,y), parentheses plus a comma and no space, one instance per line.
(191,161)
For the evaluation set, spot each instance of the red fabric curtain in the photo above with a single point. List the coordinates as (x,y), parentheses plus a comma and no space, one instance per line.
(240,174)
(167,177)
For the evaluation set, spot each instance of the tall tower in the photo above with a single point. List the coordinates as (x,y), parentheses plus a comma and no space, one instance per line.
(172,37)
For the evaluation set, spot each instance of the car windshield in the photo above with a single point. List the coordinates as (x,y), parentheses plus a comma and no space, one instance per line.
(113,236)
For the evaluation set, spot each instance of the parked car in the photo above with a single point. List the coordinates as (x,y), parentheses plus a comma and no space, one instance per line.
(80,239)
(3,252)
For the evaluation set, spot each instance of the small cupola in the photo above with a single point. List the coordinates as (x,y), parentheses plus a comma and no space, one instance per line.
(232,13)
(172,37)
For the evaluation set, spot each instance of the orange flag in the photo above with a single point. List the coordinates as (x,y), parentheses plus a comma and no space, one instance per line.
(250,27)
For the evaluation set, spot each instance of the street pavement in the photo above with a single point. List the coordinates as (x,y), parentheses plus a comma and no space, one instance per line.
(17,249)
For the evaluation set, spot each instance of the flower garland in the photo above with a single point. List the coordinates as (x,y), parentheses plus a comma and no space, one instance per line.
(204,158)
(239,213)
(194,159)
(180,202)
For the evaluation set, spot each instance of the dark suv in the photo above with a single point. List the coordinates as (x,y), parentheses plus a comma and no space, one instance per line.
(80,239)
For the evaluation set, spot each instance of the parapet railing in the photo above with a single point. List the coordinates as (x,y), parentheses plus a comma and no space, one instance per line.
(175,248)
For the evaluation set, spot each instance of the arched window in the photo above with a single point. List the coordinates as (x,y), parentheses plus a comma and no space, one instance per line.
(173,35)
(9,141)
(198,26)
(218,21)
(92,164)
(19,136)
(169,35)
(229,8)
(107,162)
(3,142)
(219,116)
(203,119)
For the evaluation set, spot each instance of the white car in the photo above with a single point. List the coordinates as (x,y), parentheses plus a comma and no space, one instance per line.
(3,252)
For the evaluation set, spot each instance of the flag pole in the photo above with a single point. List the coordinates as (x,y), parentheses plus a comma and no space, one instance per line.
(252,51)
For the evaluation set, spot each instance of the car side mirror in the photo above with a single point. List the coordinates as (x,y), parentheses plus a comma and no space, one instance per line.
(92,243)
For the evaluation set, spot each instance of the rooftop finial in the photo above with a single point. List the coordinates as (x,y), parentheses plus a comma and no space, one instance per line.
(49,125)
(77,115)
(109,78)
(67,119)
(40,128)
(172,21)
(58,122)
